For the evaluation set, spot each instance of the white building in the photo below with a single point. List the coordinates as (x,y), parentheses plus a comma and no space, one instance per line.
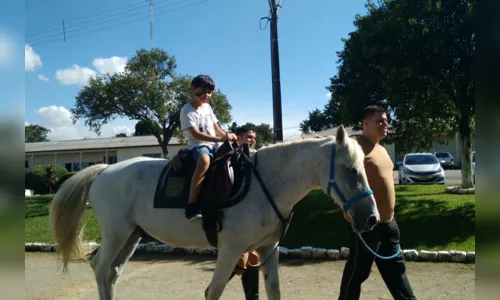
(75,155)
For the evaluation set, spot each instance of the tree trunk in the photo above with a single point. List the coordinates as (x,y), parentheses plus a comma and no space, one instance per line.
(466,142)
(164,150)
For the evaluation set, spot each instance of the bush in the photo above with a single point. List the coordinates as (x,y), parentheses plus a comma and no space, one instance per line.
(63,179)
(36,179)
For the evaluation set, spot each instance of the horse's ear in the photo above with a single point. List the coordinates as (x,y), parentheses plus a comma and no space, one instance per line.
(341,136)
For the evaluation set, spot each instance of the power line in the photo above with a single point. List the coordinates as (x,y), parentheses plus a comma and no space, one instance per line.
(106,13)
(145,14)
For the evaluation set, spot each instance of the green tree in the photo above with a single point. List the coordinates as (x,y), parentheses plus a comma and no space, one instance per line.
(35,133)
(149,90)
(144,127)
(415,59)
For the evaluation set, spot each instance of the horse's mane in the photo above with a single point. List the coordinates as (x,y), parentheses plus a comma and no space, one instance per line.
(283,149)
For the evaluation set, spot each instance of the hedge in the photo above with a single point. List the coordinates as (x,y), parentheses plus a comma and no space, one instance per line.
(35,178)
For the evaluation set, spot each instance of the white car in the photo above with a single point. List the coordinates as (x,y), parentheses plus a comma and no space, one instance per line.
(421,168)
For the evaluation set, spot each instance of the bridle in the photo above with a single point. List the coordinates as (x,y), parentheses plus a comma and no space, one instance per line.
(333,184)
(348,203)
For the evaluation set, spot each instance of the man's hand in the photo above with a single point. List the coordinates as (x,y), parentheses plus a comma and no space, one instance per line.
(176,163)
(348,217)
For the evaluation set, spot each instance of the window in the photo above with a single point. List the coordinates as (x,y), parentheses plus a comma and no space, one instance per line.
(153,155)
(111,159)
(26,164)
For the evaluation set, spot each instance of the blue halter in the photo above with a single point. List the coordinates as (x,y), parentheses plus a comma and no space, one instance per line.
(347,203)
(333,184)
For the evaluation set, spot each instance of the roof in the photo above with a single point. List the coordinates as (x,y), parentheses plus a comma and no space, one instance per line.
(95,144)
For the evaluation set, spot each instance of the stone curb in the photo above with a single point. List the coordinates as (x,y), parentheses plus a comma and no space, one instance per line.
(458,190)
(306,252)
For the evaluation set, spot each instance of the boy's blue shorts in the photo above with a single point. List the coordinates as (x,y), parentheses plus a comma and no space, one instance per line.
(202,149)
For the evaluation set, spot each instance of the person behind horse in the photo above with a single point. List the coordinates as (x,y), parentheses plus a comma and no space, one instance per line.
(247,266)
(200,128)
(384,238)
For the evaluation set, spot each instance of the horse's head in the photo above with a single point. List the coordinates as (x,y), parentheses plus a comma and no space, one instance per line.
(348,184)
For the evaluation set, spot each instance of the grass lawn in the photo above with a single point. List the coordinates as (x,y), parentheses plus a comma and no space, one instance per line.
(428,219)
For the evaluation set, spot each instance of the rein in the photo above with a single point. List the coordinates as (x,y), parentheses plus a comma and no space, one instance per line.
(285,222)
(348,203)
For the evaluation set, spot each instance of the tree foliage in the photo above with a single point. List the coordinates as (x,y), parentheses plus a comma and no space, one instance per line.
(415,58)
(264,133)
(35,133)
(149,91)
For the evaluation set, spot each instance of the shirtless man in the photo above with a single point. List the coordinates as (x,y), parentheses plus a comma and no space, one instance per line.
(384,238)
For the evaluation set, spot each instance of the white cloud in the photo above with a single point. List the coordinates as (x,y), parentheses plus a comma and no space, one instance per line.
(54,116)
(58,120)
(32,60)
(6,48)
(26,123)
(123,129)
(110,65)
(75,75)
(42,77)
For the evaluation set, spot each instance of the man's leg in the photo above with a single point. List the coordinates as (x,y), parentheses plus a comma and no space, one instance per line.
(202,164)
(359,263)
(394,271)
(250,279)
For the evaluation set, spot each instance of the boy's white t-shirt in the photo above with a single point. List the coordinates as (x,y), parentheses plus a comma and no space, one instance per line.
(203,118)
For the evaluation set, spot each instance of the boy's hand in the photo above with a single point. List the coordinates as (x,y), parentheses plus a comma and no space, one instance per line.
(232,137)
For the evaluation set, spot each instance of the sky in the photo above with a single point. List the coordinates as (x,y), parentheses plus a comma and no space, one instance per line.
(221,38)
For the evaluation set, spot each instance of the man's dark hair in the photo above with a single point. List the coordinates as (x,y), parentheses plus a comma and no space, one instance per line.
(240,131)
(369,111)
(203,81)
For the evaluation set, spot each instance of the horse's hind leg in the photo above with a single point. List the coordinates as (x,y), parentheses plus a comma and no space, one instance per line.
(113,253)
(270,270)
(122,258)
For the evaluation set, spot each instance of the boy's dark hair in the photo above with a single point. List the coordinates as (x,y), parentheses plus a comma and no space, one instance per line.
(203,81)
(240,131)
(369,111)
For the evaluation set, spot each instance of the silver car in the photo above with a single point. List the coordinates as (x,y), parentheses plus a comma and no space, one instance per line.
(445,158)
(421,168)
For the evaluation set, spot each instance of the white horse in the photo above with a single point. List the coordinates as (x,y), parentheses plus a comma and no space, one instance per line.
(122,199)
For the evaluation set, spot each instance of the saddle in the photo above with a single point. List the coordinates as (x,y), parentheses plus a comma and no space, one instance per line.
(226,183)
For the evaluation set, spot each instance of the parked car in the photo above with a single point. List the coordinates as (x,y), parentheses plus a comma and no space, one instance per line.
(421,168)
(445,158)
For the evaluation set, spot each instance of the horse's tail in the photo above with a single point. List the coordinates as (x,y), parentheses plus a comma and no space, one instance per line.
(66,211)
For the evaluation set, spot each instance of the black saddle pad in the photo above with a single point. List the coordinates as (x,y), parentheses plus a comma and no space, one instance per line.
(172,190)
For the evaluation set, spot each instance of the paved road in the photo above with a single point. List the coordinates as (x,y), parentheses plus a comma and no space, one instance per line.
(452,177)
(150,277)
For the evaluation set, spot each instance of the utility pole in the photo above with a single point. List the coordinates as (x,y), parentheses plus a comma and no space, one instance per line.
(275,67)
(151,22)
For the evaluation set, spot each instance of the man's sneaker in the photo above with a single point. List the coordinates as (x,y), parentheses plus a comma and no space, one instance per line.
(193,212)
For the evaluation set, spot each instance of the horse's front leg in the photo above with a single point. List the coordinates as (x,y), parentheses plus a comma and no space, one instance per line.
(270,270)
(227,259)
